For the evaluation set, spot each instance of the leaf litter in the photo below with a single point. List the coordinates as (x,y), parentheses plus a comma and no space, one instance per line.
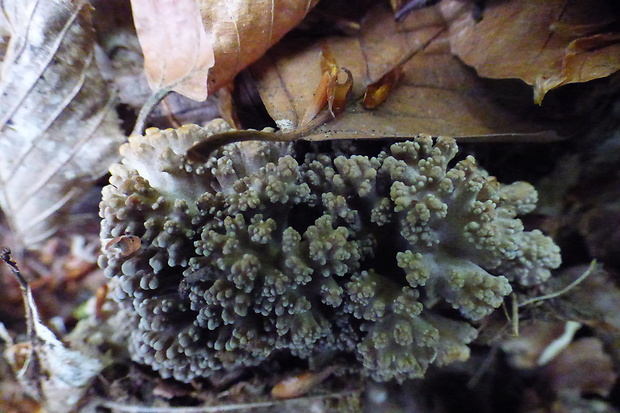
(546,44)
(58,128)
(178,51)
(51,372)
(434,93)
(218,40)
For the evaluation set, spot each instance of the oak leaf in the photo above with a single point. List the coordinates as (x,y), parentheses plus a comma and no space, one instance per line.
(546,44)
(58,127)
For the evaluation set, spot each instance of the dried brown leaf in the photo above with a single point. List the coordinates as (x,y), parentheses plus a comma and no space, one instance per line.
(178,52)
(299,385)
(331,94)
(125,244)
(185,42)
(242,30)
(379,91)
(58,129)
(436,94)
(546,44)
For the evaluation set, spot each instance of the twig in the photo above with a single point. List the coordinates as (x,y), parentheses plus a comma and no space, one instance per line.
(23,284)
(202,150)
(147,108)
(5,335)
(33,364)
(410,6)
(125,408)
(6,257)
(563,290)
(515,314)
(484,367)
(559,344)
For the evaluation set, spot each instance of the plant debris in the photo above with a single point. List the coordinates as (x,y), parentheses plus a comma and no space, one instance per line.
(290,289)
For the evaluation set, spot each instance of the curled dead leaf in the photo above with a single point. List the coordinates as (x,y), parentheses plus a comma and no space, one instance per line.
(226,106)
(337,98)
(299,385)
(330,92)
(196,47)
(125,244)
(242,30)
(378,92)
(178,52)
(546,44)
(185,42)
(319,99)
(337,91)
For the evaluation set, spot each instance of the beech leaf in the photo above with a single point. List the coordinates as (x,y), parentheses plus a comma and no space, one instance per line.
(195,47)
(435,93)
(546,44)
(178,52)
(58,127)
(242,30)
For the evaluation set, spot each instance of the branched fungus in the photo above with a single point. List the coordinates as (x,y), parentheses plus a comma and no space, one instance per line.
(257,253)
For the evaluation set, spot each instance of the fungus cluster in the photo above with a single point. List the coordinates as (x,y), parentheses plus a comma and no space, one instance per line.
(257,253)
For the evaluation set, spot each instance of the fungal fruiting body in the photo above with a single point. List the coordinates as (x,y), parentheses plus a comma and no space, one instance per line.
(257,252)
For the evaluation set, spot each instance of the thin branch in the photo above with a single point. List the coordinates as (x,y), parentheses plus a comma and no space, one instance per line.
(484,367)
(125,408)
(6,257)
(31,315)
(563,290)
(5,335)
(33,364)
(136,408)
(514,305)
(147,108)
(559,344)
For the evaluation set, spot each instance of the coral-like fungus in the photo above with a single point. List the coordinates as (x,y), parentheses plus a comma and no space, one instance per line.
(256,253)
